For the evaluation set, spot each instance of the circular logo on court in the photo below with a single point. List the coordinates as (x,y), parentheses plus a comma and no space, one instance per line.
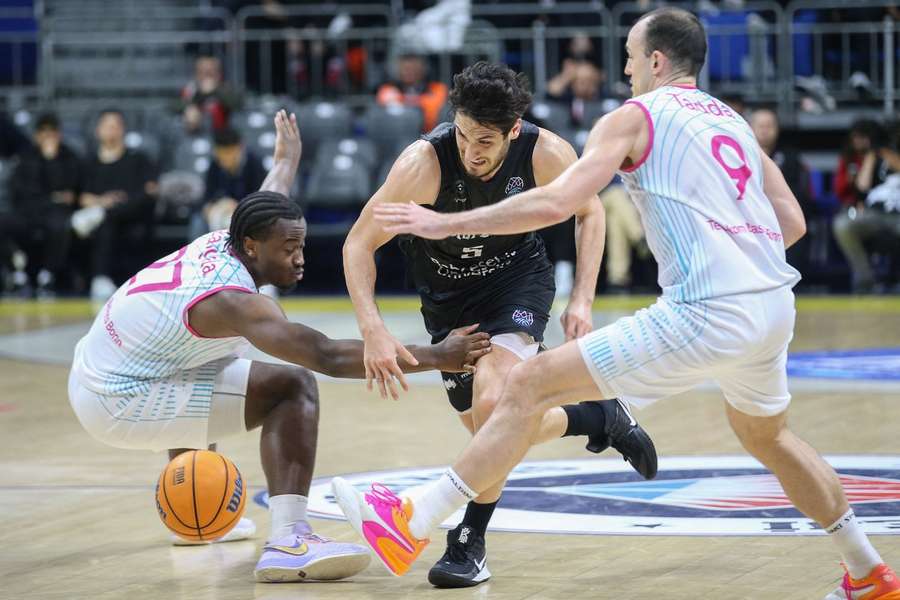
(702,495)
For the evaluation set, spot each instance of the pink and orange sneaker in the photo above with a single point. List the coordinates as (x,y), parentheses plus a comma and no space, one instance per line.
(381,518)
(880,584)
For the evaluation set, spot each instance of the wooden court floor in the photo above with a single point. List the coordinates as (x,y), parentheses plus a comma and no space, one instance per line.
(79,519)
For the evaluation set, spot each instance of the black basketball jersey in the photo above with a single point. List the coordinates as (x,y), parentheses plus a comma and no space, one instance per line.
(463,265)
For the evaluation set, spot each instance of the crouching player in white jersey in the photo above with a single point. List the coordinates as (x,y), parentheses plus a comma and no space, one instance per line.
(718,216)
(160,368)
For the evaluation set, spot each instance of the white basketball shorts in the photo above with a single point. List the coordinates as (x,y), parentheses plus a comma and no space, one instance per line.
(192,409)
(740,342)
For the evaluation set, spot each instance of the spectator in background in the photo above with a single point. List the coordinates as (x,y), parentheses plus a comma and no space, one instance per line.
(624,233)
(234,173)
(578,84)
(117,200)
(412,88)
(764,122)
(736,103)
(865,167)
(860,167)
(44,188)
(207,95)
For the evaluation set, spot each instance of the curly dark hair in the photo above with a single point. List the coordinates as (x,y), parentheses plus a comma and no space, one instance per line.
(491,94)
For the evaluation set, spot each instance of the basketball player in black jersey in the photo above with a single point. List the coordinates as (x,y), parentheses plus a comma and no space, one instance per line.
(504,283)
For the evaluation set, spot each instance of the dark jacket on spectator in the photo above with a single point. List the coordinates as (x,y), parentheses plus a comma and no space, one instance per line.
(36,178)
(220,183)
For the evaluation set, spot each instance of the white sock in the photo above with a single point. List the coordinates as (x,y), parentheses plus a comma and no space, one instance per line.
(857,551)
(286,510)
(442,499)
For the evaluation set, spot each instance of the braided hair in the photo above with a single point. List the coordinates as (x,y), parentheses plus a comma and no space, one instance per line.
(256,214)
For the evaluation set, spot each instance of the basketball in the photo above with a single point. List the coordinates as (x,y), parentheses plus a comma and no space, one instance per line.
(200,495)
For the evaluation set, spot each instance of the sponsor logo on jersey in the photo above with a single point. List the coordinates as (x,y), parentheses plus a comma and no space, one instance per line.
(698,495)
(459,191)
(514,185)
(523,317)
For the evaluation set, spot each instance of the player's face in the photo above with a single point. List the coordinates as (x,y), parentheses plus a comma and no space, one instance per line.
(279,258)
(638,66)
(482,149)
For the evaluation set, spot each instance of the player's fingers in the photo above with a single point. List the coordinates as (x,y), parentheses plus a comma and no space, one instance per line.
(392,388)
(474,355)
(398,374)
(584,328)
(405,355)
(467,329)
(380,378)
(369,375)
(396,229)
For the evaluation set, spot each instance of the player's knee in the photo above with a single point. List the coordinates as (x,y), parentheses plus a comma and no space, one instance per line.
(303,389)
(520,393)
(483,405)
(760,437)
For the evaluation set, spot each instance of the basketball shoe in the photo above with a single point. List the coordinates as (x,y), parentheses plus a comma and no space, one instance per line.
(464,564)
(244,530)
(880,584)
(381,518)
(623,433)
(304,555)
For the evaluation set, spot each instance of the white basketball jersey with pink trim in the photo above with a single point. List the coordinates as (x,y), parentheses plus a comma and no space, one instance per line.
(699,190)
(142,333)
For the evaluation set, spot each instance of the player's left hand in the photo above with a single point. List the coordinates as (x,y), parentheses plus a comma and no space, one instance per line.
(577,319)
(462,348)
(288,145)
(409,217)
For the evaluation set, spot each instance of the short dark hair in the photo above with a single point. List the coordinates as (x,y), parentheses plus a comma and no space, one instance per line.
(256,214)
(491,94)
(679,35)
(226,137)
(765,108)
(111,110)
(47,120)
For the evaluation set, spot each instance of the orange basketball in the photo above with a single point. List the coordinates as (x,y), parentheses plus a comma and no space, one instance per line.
(200,495)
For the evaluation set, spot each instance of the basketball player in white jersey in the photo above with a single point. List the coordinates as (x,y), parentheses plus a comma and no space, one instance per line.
(160,368)
(718,216)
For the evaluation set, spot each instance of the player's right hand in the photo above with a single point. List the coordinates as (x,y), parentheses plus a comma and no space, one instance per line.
(462,348)
(380,359)
(287,138)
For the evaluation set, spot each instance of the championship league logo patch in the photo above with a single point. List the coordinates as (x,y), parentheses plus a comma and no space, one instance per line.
(697,496)
(514,185)
(523,318)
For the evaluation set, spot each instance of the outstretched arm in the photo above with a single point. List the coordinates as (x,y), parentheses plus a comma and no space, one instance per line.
(288,149)
(262,322)
(623,134)
(416,177)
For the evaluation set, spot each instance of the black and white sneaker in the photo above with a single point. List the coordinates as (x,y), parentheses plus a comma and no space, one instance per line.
(623,433)
(464,564)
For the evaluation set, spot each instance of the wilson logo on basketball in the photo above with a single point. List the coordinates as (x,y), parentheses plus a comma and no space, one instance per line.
(236,496)
(178,476)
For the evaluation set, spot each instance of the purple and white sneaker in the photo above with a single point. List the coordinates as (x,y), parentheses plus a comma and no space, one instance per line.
(304,555)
